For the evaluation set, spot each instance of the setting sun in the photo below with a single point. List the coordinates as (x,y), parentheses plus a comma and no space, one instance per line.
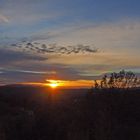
(53,85)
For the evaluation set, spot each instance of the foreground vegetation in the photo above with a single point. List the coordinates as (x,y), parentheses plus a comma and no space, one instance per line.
(121,80)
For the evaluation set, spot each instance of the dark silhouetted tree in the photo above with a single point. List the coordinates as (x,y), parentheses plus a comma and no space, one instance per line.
(96,84)
(104,82)
(123,79)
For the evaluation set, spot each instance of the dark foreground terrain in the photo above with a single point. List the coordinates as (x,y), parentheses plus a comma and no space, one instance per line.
(39,113)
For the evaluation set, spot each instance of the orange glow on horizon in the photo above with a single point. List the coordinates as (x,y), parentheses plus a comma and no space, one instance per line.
(64,83)
(69,84)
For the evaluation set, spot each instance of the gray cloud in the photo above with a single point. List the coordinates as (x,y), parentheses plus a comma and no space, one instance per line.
(8,56)
(56,49)
(40,72)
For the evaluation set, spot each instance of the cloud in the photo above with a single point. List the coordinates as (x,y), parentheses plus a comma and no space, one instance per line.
(56,49)
(28,71)
(25,12)
(119,37)
(4,19)
(118,42)
(15,75)
(11,56)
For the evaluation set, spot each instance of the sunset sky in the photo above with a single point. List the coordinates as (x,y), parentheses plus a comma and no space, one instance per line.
(70,40)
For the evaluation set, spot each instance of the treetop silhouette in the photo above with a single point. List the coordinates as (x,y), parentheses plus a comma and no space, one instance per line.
(121,80)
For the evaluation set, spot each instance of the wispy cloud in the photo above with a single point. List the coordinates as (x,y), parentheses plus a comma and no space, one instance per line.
(4,19)
(4,70)
(25,12)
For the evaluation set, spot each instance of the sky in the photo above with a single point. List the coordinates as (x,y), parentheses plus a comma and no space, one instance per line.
(73,40)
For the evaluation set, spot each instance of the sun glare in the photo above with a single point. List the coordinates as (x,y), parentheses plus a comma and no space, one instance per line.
(53,85)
